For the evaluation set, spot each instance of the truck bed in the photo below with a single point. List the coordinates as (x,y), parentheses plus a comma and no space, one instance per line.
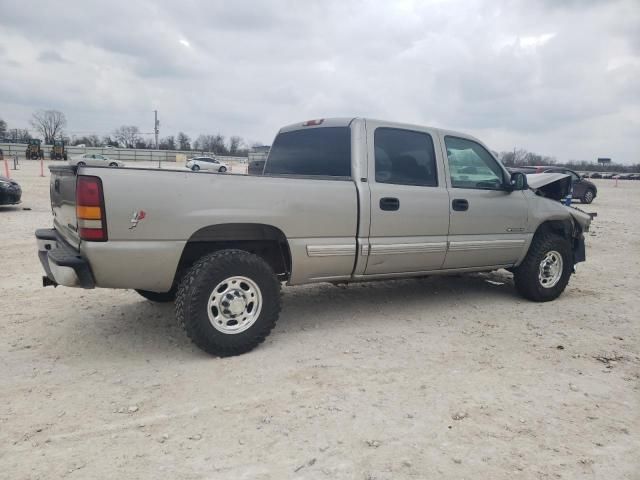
(314,214)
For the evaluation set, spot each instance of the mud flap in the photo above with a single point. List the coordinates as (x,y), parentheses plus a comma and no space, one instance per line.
(579,250)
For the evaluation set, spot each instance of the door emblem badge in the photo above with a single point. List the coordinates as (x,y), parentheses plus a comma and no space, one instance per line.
(137,216)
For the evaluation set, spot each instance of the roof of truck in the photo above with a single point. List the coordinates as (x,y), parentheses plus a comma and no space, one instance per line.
(346,121)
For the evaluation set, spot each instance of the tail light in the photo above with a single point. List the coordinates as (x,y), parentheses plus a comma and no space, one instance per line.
(92,221)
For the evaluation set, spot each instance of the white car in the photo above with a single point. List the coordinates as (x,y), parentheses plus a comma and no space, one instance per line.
(206,163)
(95,160)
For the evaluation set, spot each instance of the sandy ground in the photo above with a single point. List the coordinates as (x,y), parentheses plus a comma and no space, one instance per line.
(451,377)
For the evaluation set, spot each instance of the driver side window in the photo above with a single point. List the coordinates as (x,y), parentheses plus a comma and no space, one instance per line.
(471,166)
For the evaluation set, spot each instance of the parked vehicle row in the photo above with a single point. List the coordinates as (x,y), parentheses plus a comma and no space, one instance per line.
(613,176)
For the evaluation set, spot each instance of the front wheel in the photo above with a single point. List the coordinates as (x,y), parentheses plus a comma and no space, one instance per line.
(228,302)
(222,169)
(588,196)
(544,273)
(159,297)
(113,164)
(81,164)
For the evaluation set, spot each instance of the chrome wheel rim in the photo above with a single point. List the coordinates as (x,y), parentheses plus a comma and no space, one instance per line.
(234,305)
(550,269)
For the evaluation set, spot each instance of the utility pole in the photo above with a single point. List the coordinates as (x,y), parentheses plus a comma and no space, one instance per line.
(156,124)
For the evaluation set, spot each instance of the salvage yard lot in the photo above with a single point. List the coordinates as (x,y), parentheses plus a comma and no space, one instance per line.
(440,377)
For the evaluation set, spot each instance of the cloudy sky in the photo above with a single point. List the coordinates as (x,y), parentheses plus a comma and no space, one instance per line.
(556,77)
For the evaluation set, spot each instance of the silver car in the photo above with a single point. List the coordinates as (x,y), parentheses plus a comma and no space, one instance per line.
(95,160)
(206,163)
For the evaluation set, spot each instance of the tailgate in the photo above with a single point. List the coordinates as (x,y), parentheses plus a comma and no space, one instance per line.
(62,190)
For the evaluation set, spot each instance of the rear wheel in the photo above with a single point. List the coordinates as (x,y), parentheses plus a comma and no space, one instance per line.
(544,273)
(228,302)
(195,168)
(588,196)
(160,297)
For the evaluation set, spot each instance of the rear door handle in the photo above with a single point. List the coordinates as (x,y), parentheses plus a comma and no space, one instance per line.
(460,204)
(389,204)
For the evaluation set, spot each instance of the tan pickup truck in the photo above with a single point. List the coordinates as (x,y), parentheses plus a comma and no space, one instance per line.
(340,200)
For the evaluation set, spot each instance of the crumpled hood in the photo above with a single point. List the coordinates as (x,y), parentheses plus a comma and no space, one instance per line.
(550,185)
(537,180)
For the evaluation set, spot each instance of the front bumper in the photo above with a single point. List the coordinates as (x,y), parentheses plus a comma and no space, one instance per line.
(62,263)
(10,195)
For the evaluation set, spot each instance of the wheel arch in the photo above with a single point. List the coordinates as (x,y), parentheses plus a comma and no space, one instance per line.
(264,240)
(561,227)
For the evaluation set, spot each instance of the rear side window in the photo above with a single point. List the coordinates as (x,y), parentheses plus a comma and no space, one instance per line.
(324,151)
(405,157)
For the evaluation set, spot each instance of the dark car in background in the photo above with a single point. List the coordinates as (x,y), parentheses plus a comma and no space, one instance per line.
(583,189)
(10,191)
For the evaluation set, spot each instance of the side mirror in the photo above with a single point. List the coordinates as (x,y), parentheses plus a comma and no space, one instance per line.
(519,181)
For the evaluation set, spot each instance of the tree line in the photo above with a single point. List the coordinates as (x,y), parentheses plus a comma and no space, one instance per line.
(50,125)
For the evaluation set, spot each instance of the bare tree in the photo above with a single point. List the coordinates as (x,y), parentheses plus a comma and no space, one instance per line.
(235,143)
(49,124)
(168,143)
(89,141)
(184,142)
(127,135)
(3,129)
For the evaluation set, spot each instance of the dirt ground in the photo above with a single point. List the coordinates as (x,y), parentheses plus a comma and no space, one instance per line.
(442,377)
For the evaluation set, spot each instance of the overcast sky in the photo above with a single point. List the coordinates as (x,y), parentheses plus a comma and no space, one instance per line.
(555,77)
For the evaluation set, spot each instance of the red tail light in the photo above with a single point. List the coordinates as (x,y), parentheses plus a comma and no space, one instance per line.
(92,222)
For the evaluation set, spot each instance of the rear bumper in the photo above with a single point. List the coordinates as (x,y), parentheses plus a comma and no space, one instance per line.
(62,263)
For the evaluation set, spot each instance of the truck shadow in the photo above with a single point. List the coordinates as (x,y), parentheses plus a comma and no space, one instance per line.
(417,298)
(139,328)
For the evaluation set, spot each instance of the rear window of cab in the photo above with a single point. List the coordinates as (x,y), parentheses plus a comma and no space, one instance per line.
(323,152)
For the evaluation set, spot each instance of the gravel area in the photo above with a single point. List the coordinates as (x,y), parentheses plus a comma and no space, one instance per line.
(440,377)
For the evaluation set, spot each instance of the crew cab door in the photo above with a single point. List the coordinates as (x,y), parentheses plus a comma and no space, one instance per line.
(409,202)
(487,221)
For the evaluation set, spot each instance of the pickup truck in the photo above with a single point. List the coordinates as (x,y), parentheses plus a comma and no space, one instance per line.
(340,200)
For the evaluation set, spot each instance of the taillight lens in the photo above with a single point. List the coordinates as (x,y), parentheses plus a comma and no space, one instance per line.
(92,222)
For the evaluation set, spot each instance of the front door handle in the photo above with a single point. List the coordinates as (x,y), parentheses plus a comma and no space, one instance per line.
(389,204)
(460,204)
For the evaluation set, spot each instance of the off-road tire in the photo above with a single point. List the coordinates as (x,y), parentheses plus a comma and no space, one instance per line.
(159,297)
(196,287)
(588,196)
(525,276)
